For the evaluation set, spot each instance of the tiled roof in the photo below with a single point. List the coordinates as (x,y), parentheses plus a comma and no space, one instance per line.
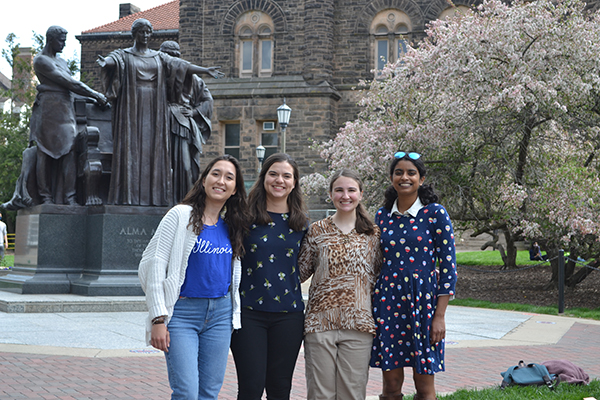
(162,17)
(5,82)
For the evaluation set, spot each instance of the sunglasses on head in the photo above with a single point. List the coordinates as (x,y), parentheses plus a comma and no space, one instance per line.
(413,156)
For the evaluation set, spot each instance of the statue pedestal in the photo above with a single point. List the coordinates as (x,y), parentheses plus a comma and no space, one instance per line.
(92,251)
(116,238)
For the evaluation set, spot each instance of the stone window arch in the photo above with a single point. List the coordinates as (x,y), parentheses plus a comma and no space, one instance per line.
(254,44)
(388,36)
(452,10)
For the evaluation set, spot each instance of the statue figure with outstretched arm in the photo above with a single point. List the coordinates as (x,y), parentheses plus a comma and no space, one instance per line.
(137,81)
(53,125)
(190,112)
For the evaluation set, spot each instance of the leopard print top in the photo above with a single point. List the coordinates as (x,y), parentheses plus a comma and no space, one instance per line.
(344,268)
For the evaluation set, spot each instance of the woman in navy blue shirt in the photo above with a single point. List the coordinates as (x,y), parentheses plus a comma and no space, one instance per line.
(266,348)
(411,294)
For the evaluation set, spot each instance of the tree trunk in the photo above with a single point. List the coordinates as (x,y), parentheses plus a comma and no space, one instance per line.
(503,255)
(583,273)
(523,148)
(573,280)
(552,255)
(511,250)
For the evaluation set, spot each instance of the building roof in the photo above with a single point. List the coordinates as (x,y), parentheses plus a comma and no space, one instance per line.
(162,17)
(5,82)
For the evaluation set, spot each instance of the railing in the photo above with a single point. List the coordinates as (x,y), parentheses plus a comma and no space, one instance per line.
(11,241)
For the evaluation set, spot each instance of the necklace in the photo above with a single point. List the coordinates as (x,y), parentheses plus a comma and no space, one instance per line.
(208,222)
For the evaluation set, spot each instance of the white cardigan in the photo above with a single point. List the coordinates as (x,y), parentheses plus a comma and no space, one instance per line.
(164,262)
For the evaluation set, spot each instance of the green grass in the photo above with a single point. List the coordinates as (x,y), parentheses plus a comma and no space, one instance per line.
(9,261)
(490,258)
(564,391)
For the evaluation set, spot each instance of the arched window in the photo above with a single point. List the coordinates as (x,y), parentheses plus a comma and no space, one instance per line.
(254,44)
(452,10)
(388,33)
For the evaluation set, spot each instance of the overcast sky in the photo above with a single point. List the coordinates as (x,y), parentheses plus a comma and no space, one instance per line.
(27,16)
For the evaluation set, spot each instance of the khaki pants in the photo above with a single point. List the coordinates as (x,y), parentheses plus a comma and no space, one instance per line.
(337,364)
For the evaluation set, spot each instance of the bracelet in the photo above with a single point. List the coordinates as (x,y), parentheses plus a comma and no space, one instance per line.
(158,320)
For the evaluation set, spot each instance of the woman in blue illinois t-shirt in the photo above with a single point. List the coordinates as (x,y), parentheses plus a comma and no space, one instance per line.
(266,348)
(190,273)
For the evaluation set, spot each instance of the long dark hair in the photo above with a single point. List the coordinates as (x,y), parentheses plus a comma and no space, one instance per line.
(426,193)
(257,199)
(364,223)
(236,205)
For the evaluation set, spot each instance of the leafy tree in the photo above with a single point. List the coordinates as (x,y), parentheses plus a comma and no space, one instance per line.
(14,126)
(503,102)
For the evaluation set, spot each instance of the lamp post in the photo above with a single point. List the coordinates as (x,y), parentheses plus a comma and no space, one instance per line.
(260,154)
(283,116)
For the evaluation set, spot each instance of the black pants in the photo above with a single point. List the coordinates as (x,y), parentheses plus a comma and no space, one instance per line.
(265,351)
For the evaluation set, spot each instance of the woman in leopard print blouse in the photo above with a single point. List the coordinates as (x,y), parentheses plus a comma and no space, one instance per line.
(343,256)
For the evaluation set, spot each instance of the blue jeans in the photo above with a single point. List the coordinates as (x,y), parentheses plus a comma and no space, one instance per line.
(200,332)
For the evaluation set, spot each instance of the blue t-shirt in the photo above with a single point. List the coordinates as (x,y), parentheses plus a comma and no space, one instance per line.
(270,275)
(208,274)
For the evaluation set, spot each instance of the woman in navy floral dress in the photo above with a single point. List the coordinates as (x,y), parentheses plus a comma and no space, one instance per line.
(411,294)
(266,348)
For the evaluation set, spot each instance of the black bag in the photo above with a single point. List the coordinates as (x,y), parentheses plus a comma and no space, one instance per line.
(530,374)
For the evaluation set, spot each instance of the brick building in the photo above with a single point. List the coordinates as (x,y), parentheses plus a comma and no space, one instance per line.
(5,85)
(310,52)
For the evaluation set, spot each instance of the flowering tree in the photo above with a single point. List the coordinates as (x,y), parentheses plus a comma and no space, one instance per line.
(503,103)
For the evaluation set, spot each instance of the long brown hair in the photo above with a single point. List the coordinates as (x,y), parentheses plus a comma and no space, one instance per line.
(363,224)
(257,199)
(235,206)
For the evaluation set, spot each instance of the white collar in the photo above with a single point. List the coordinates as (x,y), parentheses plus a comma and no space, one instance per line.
(412,211)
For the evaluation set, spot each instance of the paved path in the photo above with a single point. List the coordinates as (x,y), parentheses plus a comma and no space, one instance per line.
(102,355)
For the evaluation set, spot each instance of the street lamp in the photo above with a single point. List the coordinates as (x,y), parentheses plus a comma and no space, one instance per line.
(283,116)
(260,154)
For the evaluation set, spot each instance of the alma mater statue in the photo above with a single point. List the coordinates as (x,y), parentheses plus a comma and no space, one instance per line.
(137,80)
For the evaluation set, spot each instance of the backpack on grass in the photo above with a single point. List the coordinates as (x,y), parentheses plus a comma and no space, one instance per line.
(530,374)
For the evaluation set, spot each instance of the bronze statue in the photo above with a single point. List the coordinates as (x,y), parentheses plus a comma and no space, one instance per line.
(190,111)
(53,121)
(137,80)
(26,192)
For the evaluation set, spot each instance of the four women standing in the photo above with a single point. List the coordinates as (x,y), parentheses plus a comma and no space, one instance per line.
(343,254)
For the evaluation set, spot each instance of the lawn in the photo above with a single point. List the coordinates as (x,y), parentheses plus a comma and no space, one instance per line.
(9,261)
(490,258)
(564,391)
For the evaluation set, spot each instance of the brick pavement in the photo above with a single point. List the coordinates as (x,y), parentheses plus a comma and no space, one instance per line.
(34,376)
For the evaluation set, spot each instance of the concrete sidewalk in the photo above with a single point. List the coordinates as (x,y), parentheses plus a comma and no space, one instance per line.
(102,355)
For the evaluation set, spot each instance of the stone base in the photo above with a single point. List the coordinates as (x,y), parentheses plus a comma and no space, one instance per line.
(100,285)
(92,251)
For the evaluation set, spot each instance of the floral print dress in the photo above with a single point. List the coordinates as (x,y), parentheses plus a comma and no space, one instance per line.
(270,274)
(406,291)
